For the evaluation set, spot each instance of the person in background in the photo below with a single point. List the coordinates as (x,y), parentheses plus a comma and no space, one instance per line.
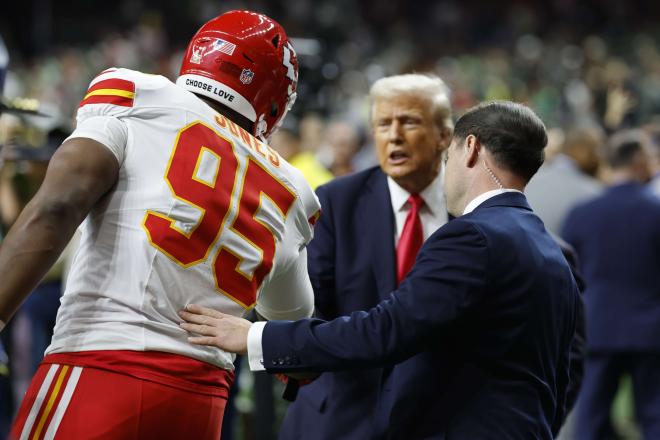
(341,143)
(23,171)
(5,388)
(617,238)
(568,179)
(287,142)
(12,197)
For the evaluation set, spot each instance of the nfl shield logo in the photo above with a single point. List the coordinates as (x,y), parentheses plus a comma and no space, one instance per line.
(246,76)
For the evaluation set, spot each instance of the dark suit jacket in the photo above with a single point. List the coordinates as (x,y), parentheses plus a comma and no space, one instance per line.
(352,266)
(492,297)
(617,237)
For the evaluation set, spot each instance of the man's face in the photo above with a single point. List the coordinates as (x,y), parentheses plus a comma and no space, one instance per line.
(408,142)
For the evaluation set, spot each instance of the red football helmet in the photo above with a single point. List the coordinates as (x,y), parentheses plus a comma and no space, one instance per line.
(245,61)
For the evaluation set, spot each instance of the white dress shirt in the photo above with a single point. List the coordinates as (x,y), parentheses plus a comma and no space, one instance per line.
(432,215)
(485,196)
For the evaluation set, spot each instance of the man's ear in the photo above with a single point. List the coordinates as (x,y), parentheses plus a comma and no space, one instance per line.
(472,148)
(443,138)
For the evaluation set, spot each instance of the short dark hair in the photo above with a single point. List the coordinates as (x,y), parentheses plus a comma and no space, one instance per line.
(624,145)
(512,133)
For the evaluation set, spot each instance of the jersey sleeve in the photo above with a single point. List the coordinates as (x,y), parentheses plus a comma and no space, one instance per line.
(310,209)
(288,295)
(109,98)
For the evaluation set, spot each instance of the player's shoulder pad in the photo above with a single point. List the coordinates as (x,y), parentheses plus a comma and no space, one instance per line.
(114,91)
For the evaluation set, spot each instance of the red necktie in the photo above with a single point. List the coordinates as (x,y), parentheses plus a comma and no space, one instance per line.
(411,239)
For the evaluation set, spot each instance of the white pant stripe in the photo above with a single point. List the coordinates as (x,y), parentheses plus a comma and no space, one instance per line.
(64,403)
(39,401)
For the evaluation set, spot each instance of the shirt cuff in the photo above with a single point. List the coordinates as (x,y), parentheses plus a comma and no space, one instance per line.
(255,351)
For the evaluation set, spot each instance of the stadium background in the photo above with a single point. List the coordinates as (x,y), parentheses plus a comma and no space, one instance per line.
(559,56)
(592,64)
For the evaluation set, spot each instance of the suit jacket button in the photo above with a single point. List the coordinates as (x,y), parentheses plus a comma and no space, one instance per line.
(274,361)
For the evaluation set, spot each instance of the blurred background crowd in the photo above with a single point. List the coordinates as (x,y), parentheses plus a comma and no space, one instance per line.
(588,68)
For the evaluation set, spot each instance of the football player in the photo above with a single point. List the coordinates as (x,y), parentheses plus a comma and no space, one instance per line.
(183,202)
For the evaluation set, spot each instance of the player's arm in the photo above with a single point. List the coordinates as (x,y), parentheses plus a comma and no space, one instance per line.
(288,295)
(79,174)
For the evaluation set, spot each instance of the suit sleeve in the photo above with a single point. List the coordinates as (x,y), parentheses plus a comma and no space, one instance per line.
(446,281)
(570,369)
(321,259)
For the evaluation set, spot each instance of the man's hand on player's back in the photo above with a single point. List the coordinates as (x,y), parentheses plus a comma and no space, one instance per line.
(216,329)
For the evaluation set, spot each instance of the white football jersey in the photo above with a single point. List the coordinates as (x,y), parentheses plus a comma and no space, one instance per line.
(202,212)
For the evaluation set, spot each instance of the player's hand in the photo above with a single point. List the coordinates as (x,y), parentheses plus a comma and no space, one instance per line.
(215,329)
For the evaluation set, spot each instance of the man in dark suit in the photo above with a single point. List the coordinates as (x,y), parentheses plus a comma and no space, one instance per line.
(617,237)
(352,260)
(490,293)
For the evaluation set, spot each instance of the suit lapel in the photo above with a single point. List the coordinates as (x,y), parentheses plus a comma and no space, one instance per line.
(377,222)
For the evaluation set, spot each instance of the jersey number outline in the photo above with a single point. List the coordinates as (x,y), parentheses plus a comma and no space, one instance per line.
(214,199)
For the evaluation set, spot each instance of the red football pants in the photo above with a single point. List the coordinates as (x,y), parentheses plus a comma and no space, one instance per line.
(67,402)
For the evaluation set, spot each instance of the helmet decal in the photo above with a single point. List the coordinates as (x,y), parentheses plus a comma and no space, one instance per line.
(223,46)
(246,76)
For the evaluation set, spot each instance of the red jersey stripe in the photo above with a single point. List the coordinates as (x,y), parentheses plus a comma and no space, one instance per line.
(108,99)
(113,83)
(114,91)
